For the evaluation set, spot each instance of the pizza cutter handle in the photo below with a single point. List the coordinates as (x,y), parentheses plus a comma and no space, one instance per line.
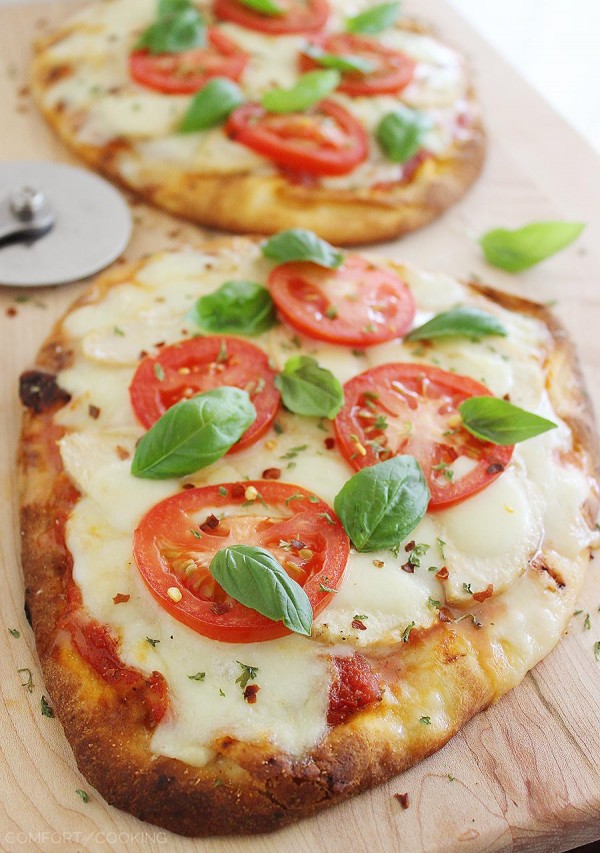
(25,213)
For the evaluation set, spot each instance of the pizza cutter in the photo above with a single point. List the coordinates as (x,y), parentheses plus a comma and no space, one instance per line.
(57,223)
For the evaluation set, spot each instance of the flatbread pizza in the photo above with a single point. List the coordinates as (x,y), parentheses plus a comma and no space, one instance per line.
(345,118)
(290,518)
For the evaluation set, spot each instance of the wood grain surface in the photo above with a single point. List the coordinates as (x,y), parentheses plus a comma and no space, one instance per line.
(524,776)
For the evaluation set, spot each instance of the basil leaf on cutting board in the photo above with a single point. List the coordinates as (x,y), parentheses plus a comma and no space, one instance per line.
(514,251)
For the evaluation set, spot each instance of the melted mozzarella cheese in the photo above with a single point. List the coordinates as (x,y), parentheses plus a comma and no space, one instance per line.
(490,538)
(107,103)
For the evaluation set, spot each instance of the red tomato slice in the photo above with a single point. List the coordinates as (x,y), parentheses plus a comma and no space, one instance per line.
(184,73)
(300,16)
(393,70)
(358,304)
(299,529)
(196,365)
(412,409)
(326,140)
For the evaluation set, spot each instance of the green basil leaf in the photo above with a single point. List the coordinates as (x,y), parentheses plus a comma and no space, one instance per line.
(171,7)
(193,434)
(182,30)
(254,577)
(518,250)
(265,7)
(308,389)
(380,505)
(240,307)
(297,244)
(341,62)
(462,321)
(309,89)
(498,421)
(211,105)
(400,134)
(375,20)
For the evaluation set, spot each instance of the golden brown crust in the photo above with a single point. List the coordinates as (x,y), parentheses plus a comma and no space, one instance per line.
(248,787)
(254,203)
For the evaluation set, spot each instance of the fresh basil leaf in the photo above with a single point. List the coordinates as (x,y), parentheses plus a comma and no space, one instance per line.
(341,62)
(309,89)
(265,7)
(308,389)
(297,244)
(462,321)
(498,421)
(171,7)
(240,307)
(380,505)
(400,134)
(211,105)
(254,577)
(193,434)
(375,20)
(174,33)
(518,250)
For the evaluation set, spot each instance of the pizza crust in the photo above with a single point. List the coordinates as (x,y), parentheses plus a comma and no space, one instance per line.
(249,787)
(259,201)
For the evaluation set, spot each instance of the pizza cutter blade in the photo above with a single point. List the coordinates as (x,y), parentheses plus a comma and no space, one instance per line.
(57,223)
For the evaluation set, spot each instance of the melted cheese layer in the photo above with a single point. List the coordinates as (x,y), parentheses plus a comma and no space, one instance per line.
(488,539)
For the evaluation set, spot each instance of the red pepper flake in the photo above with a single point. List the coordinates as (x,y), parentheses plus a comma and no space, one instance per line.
(445,615)
(409,546)
(403,799)
(443,573)
(11,311)
(93,412)
(210,524)
(271,473)
(360,626)
(143,354)
(160,344)
(119,598)
(495,468)
(329,442)
(188,486)
(408,568)
(250,693)
(220,607)
(485,593)
(238,491)
(122,452)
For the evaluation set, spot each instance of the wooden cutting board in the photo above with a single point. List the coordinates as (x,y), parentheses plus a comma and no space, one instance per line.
(523,776)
